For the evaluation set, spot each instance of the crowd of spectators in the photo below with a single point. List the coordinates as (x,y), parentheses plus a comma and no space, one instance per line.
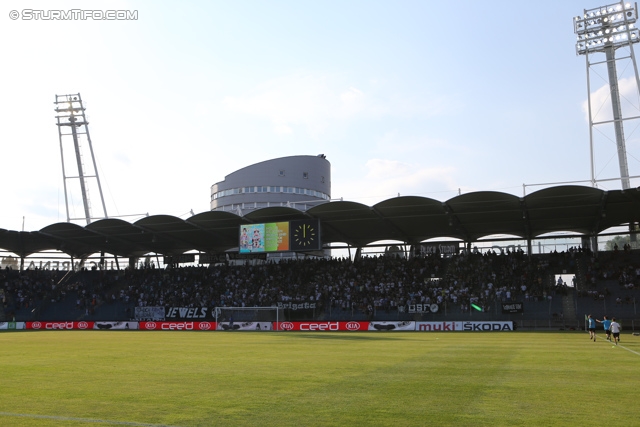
(368,284)
(616,271)
(31,290)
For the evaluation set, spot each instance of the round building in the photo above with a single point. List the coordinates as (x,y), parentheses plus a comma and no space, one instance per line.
(299,182)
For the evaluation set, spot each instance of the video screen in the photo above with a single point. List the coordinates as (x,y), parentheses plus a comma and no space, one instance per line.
(269,237)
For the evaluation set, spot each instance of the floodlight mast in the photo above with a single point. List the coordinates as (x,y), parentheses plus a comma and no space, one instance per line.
(604,30)
(71,116)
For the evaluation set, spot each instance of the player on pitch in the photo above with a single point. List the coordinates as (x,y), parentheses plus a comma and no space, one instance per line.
(615,330)
(591,327)
(606,323)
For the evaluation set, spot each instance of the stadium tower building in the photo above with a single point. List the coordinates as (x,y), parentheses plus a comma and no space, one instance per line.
(299,182)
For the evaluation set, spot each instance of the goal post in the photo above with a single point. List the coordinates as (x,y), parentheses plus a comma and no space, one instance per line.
(248,318)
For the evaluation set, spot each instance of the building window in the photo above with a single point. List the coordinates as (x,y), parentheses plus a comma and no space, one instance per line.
(281,172)
(322,179)
(305,175)
(270,189)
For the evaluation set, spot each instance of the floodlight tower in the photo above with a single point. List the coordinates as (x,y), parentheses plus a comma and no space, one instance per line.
(72,128)
(606,29)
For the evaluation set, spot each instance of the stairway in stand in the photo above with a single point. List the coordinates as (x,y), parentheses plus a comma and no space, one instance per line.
(2,300)
(569,308)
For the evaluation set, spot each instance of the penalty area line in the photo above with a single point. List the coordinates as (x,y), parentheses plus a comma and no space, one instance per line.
(83,420)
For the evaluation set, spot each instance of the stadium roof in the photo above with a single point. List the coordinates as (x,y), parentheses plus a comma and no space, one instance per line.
(410,219)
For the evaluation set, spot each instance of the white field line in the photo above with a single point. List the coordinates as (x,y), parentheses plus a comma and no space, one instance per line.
(604,339)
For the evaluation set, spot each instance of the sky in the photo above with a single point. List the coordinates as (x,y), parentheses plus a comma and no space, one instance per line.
(421,98)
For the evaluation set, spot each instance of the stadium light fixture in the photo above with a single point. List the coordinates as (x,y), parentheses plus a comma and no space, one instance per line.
(606,29)
(606,26)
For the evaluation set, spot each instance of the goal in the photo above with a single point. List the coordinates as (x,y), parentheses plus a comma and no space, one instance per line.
(248,318)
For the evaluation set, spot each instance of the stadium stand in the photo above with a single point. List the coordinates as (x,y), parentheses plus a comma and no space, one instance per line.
(372,288)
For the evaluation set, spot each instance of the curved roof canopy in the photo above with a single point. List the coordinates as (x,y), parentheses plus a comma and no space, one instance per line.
(412,219)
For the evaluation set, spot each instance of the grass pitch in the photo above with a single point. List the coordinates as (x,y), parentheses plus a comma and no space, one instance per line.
(136,378)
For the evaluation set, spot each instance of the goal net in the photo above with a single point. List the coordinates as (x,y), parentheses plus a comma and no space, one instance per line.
(248,318)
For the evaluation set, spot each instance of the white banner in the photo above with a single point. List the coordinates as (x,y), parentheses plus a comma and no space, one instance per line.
(150,313)
(464,326)
(114,326)
(392,326)
(4,326)
(245,326)
(423,308)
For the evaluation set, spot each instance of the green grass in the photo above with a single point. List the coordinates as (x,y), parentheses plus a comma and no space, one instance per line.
(135,378)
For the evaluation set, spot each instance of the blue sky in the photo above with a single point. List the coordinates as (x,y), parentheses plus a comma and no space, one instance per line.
(409,97)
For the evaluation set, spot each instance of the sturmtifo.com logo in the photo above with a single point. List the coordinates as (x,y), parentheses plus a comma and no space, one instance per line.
(74,15)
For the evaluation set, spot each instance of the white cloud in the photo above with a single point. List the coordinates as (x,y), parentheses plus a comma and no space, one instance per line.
(316,102)
(606,164)
(601,101)
(394,142)
(407,177)
(384,179)
(300,100)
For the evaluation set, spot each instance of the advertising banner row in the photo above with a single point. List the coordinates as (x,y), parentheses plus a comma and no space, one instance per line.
(267,326)
(158,314)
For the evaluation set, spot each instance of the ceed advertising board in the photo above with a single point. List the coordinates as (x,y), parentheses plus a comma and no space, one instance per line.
(309,326)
